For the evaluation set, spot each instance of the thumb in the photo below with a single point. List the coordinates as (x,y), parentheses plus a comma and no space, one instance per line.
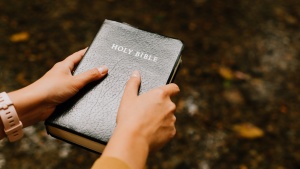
(86,77)
(132,87)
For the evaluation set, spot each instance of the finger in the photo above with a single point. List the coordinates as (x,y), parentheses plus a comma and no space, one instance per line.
(171,89)
(132,86)
(75,58)
(86,77)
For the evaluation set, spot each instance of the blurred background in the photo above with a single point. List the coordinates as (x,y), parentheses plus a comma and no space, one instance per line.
(240,86)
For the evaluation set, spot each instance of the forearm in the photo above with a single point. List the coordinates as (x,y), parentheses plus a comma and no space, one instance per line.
(129,147)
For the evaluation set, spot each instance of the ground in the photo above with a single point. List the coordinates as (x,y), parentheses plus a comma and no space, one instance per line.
(239,101)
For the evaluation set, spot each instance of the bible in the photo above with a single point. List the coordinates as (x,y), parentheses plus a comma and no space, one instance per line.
(89,118)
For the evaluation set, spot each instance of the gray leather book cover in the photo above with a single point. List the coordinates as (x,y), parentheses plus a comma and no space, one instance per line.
(88,119)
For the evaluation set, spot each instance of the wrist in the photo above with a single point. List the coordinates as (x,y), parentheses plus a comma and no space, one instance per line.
(128,146)
(11,123)
(29,103)
(133,137)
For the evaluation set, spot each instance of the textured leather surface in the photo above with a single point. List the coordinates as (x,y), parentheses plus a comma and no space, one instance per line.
(92,112)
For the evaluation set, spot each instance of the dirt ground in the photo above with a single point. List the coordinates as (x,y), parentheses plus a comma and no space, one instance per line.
(239,101)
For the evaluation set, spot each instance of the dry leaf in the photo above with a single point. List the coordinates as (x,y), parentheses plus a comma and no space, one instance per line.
(241,75)
(233,96)
(19,37)
(248,131)
(226,73)
(243,167)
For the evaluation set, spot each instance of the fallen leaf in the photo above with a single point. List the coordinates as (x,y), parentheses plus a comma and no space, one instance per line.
(248,131)
(243,167)
(241,75)
(19,37)
(226,73)
(291,19)
(233,96)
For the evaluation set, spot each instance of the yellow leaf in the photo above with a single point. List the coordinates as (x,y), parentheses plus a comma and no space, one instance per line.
(226,73)
(19,37)
(248,131)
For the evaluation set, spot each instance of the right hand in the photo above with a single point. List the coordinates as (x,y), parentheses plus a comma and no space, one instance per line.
(144,123)
(149,116)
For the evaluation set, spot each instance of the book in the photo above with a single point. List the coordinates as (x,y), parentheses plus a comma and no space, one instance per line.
(89,118)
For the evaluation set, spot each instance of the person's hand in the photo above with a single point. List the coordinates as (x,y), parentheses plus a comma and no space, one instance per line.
(144,123)
(37,101)
(150,115)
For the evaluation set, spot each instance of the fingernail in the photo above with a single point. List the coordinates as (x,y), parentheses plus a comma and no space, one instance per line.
(135,73)
(103,70)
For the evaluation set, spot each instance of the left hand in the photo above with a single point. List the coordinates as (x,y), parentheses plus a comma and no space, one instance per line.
(37,101)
